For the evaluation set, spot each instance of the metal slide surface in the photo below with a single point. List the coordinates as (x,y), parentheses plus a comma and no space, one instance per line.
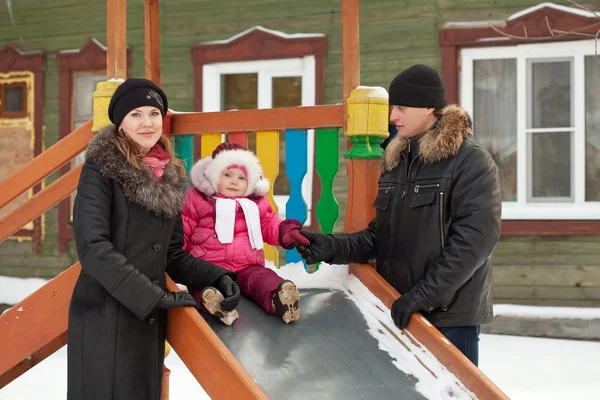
(327,354)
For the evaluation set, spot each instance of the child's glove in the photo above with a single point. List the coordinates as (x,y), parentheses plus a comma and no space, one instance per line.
(176,299)
(230,291)
(289,234)
(403,308)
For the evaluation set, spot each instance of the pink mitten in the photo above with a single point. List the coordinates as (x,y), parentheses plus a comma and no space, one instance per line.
(289,234)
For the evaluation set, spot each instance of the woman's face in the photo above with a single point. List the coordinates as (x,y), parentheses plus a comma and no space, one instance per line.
(143,125)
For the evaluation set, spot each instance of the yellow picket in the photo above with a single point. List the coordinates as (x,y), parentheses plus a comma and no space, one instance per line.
(209,142)
(267,150)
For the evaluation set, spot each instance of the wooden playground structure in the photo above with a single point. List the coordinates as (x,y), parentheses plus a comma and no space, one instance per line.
(37,326)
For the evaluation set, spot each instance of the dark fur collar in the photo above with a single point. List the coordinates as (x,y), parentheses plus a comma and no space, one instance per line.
(441,142)
(139,186)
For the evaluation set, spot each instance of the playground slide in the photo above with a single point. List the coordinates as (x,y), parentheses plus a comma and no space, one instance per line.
(344,346)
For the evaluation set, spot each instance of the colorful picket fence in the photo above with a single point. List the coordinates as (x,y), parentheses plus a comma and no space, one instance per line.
(326,154)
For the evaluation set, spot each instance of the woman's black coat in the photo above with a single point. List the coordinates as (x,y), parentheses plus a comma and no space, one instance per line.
(128,232)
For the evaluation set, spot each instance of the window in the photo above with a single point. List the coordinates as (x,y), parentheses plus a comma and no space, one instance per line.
(535,107)
(84,86)
(265,84)
(13,100)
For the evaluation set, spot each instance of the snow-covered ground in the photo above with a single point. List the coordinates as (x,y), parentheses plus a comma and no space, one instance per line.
(525,368)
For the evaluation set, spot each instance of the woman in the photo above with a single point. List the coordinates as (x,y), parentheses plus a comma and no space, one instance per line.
(129,232)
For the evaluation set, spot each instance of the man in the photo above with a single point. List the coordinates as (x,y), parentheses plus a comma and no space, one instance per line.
(437,215)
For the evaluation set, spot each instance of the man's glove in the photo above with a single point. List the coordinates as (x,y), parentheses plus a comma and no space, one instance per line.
(403,308)
(321,247)
(230,291)
(176,299)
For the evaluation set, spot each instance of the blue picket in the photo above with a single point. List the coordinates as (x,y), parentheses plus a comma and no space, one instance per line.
(296,148)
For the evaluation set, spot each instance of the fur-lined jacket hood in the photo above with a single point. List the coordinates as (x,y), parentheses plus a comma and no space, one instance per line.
(442,141)
(139,186)
(199,180)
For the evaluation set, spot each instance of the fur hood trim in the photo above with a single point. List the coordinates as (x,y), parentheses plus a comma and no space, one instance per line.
(139,186)
(199,180)
(440,142)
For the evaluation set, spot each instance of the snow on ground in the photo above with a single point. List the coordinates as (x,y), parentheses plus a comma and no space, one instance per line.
(525,368)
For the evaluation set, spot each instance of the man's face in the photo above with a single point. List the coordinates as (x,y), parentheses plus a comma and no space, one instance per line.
(411,121)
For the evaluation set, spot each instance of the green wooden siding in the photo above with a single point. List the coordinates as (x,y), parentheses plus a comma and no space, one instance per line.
(555,270)
(394,35)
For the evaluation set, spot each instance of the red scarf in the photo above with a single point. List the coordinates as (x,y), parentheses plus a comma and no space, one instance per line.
(156,159)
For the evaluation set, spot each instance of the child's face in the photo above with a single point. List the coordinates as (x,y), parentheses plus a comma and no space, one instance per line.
(232,183)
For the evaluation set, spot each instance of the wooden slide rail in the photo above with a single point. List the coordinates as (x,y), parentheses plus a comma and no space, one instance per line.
(470,376)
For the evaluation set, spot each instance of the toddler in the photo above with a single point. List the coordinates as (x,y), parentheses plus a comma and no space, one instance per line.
(227,219)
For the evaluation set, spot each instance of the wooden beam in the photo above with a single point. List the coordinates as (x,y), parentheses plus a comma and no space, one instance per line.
(205,355)
(33,360)
(40,203)
(116,38)
(152,40)
(43,165)
(471,376)
(36,322)
(549,228)
(253,120)
(350,47)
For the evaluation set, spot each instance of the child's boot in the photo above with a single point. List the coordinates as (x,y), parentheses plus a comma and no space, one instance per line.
(211,300)
(285,301)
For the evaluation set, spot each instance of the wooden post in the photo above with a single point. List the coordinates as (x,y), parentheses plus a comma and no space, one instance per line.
(116,61)
(116,38)
(152,40)
(367,128)
(350,48)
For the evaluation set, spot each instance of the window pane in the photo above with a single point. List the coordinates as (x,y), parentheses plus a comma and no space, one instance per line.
(592,128)
(13,99)
(495,117)
(287,92)
(240,91)
(550,95)
(551,164)
(84,87)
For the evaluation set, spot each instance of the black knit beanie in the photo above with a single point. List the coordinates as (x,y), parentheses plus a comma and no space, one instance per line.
(419,86)
(135,93)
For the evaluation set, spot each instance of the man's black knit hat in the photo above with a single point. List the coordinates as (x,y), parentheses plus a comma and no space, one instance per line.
(419,86)
(135,93)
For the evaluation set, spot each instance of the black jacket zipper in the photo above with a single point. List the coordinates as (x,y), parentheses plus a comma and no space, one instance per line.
(432,185)
(442,219)
(408,168)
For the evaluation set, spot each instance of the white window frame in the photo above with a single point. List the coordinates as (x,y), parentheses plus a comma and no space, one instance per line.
(524,208)
(266,70)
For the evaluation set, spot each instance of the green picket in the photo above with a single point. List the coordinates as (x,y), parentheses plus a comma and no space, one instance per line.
(184,148)
(327,151)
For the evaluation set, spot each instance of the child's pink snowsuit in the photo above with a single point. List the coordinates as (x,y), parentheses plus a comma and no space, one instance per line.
(198,213)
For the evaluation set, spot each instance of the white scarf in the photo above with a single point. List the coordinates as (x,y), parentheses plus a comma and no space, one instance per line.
(225,220)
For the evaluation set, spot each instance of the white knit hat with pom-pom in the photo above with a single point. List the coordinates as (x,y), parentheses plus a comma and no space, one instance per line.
(228,155)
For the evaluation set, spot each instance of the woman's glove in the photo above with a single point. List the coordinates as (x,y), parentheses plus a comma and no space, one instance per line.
(230,291)
(176,299)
